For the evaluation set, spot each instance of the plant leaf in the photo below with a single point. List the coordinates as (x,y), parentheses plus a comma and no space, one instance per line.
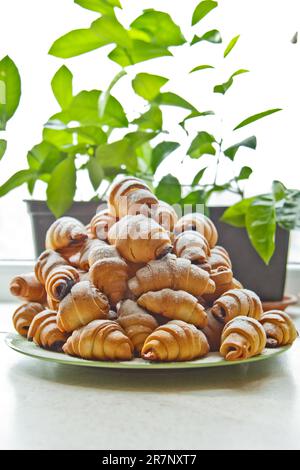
(117,155)
(213,36)
(236,215)
(231,45)
(10,90)
(44,157)
(147,85)
(193,199)
(105,7)
(288,210)
(245,173)
(138,52)
(3,145)
(278,190)
(250,143)
(19,178)
(198,176)
(261,226)
(256,117)
(223,87)
(160,152)
(110,31)
(202,9)
(76,42)
(104,97)
(61,187)
(202,145)
(160,27)
(201,67)
(171,99)
(62,86)
(169,189)
(96,173)
(151,119)
(194,114)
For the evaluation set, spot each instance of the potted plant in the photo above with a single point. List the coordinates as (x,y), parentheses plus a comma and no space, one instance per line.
(92,132)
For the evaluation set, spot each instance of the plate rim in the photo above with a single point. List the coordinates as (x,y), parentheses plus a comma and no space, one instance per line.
(11,338)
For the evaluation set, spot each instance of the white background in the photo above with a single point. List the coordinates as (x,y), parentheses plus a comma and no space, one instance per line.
(29,27)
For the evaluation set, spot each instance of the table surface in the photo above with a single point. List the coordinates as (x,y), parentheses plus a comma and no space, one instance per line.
(51,406)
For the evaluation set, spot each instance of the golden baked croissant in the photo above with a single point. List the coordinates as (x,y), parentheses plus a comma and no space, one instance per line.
(27,287)
(101,223)
(65,232)
(174,273)
(83,304)
(110,275)
(219,258)
(224,280)
(46,262)
(128,196)
(52,303)
(213,332)
(139,239)
(200,223)
(192,245)
(175,341)
(236,302)
(100,340)
(88,247)
(164,215)
(242,337)
(136,322)
(45,333)
(24,315)
(176,305)
(60,281)
(101,252)
(279,328)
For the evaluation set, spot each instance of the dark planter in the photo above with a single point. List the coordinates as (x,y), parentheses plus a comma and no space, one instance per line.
(267,281)
(42,218)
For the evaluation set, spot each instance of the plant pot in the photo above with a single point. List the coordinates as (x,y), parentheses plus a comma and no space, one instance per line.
(267,281)
(42,218)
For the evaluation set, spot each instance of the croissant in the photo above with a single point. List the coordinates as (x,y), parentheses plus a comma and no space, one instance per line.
(139,239)
(199,223)
(64,232)
(47,261)
(191,245)
(237,302)
(100,340)
(165,215)
(83,304)
(128,196)
(110,275)
(279,328)
(219,258)
(101,223)
(45,333)
(88,247)
(213,332)
(136,322)
(101,252)
(60,281)
(24,315)
(173,273)
(176,305)
(175,341)
(242,338)
(224,281)
(27,287)
(52,303)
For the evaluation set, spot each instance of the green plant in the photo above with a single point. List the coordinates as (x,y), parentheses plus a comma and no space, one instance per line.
(82,135)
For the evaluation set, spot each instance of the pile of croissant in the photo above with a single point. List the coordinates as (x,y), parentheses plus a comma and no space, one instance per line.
(140,282)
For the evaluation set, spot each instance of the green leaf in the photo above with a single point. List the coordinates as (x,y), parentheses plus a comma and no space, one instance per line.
(111,31)
(118,154)
(62,139)
(202,9)
(138,138)
(90,135)
(160,152)
(138,52)
(16,180)
(256,117)
(236,215)
(3,145)
(147,85)
(169,189)
(201,67)
(250,143)
(231,45)
(226,85)
(198,176)
(288,210)
(278,190)
(193,199)
(213,36)
(193,115)
(76,42)
(96,173)
(44,157)
(245,173)
(62,186)
(105,7)
(160,27)
(104,97)
(171,99)
(62,86)
(261,226)
(151,119)
(10,90)
(202,145)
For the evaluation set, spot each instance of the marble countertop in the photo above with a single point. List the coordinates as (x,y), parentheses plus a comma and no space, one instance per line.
(50,406)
